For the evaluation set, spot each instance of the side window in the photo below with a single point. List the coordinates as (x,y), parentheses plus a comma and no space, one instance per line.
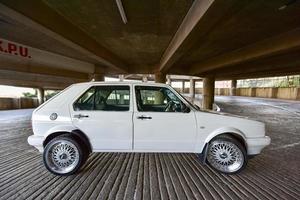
(106,98)
(157,99)
(86,101)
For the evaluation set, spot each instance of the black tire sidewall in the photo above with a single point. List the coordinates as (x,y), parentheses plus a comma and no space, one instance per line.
(80,152)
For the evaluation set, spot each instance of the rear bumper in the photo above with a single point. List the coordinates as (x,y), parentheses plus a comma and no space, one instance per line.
(36,141)
(255,145)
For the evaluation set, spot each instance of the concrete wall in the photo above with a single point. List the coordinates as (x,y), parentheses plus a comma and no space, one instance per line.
(17,103)
(279,93)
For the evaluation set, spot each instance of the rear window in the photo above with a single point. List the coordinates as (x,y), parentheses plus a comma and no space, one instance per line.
(105,98)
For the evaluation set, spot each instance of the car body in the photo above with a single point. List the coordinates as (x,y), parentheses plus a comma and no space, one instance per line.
(138,117)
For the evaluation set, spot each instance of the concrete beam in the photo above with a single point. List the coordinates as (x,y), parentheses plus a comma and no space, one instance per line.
(268,47)
(284,64)
(50,23)
(194,15)
(208,93)
(35,81)
(40,69)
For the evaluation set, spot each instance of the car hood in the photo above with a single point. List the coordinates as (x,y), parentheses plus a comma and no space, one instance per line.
(223,114)
(216,120)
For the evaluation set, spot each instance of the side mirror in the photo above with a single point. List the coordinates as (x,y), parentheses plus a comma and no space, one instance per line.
(185,108)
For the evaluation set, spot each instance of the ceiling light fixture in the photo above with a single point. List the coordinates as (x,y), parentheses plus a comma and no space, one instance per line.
(121,10)
(287,4)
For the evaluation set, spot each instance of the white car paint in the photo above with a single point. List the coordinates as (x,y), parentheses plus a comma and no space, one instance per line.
(121,131)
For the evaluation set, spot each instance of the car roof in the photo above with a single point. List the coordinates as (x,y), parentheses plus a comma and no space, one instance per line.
(120,83)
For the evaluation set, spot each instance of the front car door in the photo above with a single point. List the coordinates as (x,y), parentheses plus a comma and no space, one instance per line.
(104,114)
(162,121)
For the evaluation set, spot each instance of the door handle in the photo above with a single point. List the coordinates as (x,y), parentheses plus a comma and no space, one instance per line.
(142,117)
(80,116)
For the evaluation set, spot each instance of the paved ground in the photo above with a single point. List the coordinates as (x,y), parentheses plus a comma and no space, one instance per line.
(275,174)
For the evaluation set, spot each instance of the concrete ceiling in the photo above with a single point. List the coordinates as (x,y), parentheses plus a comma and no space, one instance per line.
(225,39)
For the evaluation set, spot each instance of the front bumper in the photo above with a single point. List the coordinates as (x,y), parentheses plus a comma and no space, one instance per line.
(255,145)
(36,141)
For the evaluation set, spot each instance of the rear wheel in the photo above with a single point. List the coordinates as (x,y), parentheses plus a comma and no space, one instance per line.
(227,155)
(63,156)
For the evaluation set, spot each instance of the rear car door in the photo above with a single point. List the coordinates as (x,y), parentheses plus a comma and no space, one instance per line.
(104,114)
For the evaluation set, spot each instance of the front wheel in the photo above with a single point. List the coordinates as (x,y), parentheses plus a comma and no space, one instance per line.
(63,156)
(227,155)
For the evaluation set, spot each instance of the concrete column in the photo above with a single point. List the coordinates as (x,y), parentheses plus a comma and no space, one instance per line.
(40,95)
(144,79)
(96,77)
(208,92)
(298,93)
(169,81)
(182,86)
(233,87)
(274,92)
(160,77)
(121,77)
(252,92)
(192,87)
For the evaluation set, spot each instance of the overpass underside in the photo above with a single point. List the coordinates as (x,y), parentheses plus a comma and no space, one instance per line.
(51,44)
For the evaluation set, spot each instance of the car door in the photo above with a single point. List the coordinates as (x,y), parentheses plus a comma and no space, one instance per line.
(104,114)
(160,126)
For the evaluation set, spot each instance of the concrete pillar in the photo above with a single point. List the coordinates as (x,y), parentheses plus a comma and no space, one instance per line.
(182,86)
(298,93)
(208,92)
(274,92)
(96,77)
(144,79)
(121,77)
(233,87)
(160,77)
(192,87)
(169,81)
(252,92)
(40,95)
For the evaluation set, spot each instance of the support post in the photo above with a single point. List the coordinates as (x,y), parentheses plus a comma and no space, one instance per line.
(40,95)
(121,77)
(252,92)
(144,79)
(160,77)
(182,86)
(169,81)
(192,87)
(96,77)
(208,92)
(274,92)
(233,87)
(298,93)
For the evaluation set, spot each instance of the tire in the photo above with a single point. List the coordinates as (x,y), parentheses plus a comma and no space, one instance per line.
(227,155)
(84,148)
(63,155)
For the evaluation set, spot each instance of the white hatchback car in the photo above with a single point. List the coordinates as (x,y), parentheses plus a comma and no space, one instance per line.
(138,117)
